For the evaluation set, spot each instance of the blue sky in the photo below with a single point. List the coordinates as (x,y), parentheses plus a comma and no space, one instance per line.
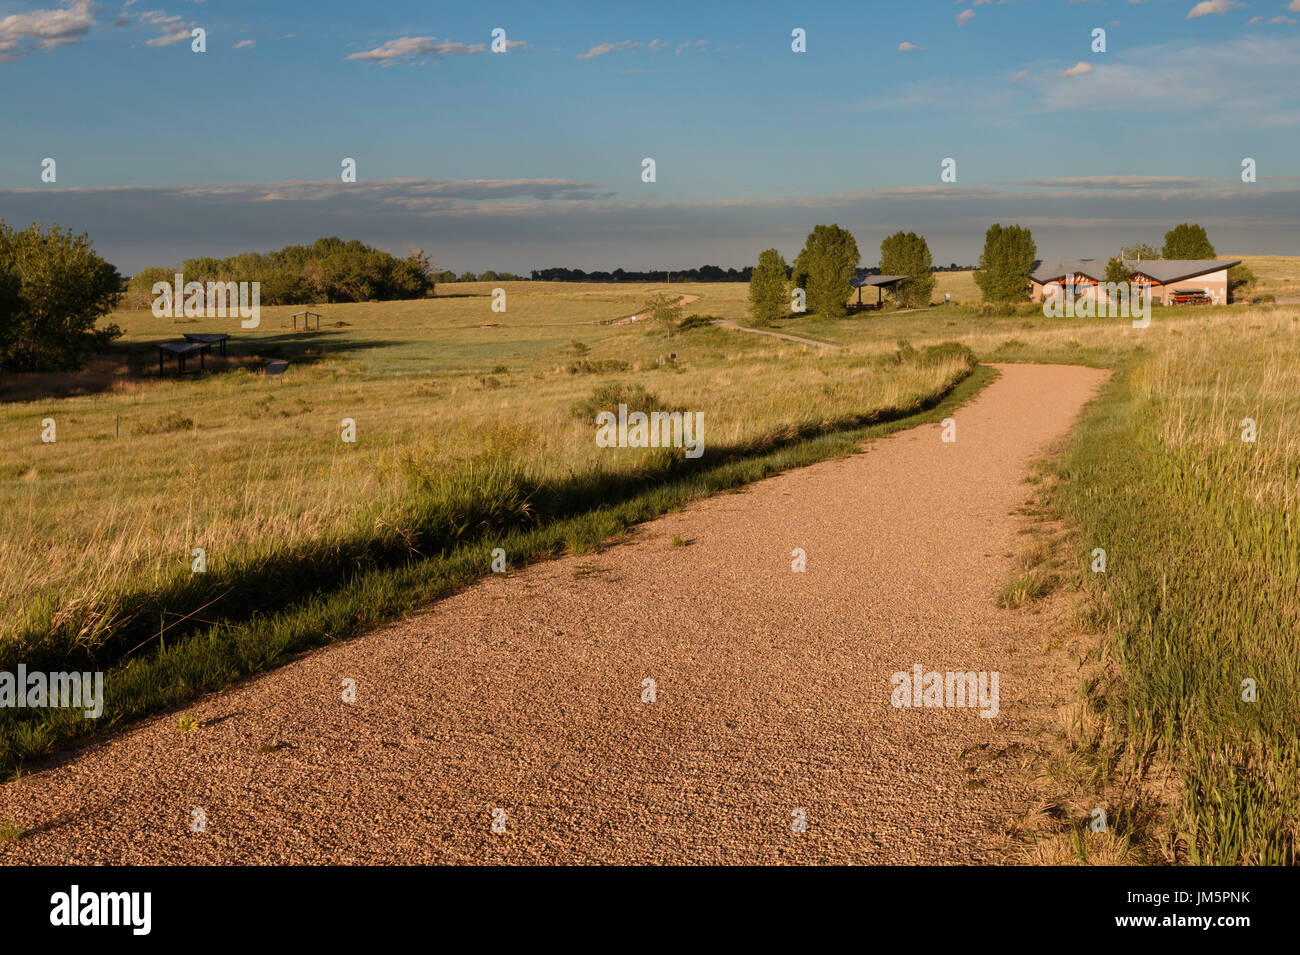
(532,158)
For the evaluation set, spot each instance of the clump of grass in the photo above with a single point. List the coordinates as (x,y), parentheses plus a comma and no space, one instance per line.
(691,322)
(10,830)
(172,421)
(187,724)
(609,397)
(679,541)
(1025,587)
(597,367)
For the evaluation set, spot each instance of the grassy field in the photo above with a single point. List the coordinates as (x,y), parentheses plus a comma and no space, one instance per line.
(467,440)
(466,434)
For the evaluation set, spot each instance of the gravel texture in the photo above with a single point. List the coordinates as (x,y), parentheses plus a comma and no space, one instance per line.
(524,692)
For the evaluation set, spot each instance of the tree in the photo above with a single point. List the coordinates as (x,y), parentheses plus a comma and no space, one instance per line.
(426,266)
(906,253)
(829,261)
(1117,271)
(1241,281)
(1005,263)
(663,310)
(1188,241)
(1139,252)
(53,289)
(768,297)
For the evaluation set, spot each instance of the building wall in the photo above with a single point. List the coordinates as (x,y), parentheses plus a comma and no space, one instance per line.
(1216,283)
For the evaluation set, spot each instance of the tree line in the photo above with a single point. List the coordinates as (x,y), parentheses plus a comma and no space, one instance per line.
(819,280)
(327,271)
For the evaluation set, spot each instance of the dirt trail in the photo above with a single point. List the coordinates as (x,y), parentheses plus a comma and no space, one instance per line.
(684,300)
(726,323)
(524,693)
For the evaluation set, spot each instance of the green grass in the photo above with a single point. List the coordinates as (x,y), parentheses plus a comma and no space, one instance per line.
(1202,586)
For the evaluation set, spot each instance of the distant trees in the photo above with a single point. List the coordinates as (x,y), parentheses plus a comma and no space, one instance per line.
(826,265)
(53,290)
(705,273)
(1005,263)
(906,253)
(1188,241)
(1141,251)
(328,270)
(769,298)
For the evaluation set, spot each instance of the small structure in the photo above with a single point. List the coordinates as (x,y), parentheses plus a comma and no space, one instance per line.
(205,339)
(879,283)
(181,350)
(276,366)
(1164,277)
(307,315)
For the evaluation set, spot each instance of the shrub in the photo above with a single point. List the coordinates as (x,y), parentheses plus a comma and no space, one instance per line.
(696,321)
(609,397)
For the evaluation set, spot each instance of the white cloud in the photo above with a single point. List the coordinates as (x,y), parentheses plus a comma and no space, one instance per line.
(1019,76)
(1078,69)
(905,47)
(415,48)
(1251,77)
(24,33)
(965,17)
(601,49)
(243,44)
(1207,7)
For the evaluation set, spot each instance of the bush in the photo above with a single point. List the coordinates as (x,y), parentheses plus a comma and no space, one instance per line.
(946,351)
(609,397)
(663,310)
(696,321)
(53,289)
(597,366)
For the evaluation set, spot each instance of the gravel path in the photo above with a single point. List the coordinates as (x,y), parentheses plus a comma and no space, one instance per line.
(524,692)
(723,323)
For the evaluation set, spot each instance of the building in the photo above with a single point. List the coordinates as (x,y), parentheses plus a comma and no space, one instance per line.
(1170,280)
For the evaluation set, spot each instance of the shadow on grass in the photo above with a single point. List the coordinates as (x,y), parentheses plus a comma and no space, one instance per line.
(257,613)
